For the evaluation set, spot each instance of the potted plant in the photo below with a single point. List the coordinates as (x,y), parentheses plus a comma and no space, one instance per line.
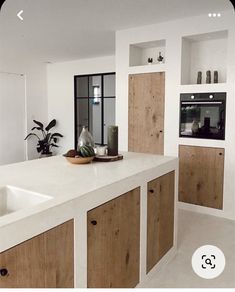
(48,140)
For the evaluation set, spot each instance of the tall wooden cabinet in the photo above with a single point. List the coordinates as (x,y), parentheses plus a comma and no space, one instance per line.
(146,113)
(114,242)
(201,175)
(45,261)
(160,218)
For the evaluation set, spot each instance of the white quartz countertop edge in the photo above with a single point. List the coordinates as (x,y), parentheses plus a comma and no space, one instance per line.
(69,196)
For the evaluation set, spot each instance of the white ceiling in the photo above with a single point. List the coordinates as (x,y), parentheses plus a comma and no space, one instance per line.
(60,30)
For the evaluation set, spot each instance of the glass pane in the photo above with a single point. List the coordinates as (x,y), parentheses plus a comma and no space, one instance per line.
(212,113)
(95,120)
(95,86)
(82,115)
(109,115)
(82,86)
(109,85)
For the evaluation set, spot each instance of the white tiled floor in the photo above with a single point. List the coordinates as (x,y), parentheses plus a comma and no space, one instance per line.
(196,230)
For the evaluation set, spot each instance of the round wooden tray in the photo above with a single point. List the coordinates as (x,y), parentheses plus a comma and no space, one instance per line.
(79,160)
(106,158)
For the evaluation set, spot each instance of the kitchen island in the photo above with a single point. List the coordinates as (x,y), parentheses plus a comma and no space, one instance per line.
(101,224)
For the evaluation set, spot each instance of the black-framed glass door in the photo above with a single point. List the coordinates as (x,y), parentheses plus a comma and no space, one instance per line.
(94,104)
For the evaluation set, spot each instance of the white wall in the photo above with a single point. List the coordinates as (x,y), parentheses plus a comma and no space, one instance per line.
(61,92)
(173,32)
(36,91)
(12,118)
(203,55)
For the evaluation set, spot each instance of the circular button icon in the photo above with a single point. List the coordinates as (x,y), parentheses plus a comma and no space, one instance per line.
(208,261)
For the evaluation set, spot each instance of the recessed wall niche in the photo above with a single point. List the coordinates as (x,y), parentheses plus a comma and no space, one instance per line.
(202,53)
(140,52)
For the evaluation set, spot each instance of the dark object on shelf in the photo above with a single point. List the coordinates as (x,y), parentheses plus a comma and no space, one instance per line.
(150,60)
(112,140)
(216,77)
(199,77)
(208,77)
(107,158)
(209,112)
(160,58)
(48,140)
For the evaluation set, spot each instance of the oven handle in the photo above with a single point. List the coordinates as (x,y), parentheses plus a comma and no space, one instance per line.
(201,102)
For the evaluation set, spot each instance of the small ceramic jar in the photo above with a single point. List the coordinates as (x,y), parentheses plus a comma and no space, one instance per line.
(101,150)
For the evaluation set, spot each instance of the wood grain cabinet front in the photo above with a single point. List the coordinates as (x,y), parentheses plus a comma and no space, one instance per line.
(146,112)
(114,242)
(160,218)
(45,261)
(201,176)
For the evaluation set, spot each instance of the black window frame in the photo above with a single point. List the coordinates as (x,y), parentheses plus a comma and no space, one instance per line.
(102,97)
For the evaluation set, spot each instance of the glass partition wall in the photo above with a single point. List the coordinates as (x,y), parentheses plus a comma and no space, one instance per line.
(94,97)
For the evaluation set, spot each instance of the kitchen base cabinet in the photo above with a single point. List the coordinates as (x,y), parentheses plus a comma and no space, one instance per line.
(160,218)
(45,261)
(201,175)
(114,242)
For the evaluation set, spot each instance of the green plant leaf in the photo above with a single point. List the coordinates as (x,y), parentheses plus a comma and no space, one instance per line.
(31,134)
(50,125)
(56,135)
(39,124)
(38,128)
(47,138)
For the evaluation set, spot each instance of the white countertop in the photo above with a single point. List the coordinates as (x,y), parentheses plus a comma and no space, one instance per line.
(64,182)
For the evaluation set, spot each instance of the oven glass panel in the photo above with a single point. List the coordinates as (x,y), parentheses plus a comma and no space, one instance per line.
(202,119)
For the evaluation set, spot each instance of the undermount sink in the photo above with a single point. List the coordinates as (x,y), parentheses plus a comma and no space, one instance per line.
(13,199)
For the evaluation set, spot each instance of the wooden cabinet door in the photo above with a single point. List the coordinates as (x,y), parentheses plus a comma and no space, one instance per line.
(201,175)
(114,243)
(146,113)
(160,218)
(45,261)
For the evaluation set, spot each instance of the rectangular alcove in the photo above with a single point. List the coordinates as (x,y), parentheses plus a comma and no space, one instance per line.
(202,53)
(140,52)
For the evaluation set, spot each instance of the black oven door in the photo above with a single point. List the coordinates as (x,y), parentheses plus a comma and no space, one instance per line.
(202,119)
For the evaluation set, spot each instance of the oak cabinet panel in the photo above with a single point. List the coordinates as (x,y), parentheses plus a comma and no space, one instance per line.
(201,174)
(146,113)
(114,242)
(160,218)
(45,261)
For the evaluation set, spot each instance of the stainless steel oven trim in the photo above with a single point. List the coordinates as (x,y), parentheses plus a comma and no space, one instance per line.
(201,102)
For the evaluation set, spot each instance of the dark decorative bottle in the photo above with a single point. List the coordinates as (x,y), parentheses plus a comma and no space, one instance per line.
(199,77)
(208,77)
(216,77)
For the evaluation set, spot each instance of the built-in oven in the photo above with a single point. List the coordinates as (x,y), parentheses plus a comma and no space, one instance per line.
(202,115)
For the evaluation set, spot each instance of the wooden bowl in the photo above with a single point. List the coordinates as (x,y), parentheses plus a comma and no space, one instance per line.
(79,160)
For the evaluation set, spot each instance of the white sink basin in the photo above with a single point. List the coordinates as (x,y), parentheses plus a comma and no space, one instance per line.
(13,199)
